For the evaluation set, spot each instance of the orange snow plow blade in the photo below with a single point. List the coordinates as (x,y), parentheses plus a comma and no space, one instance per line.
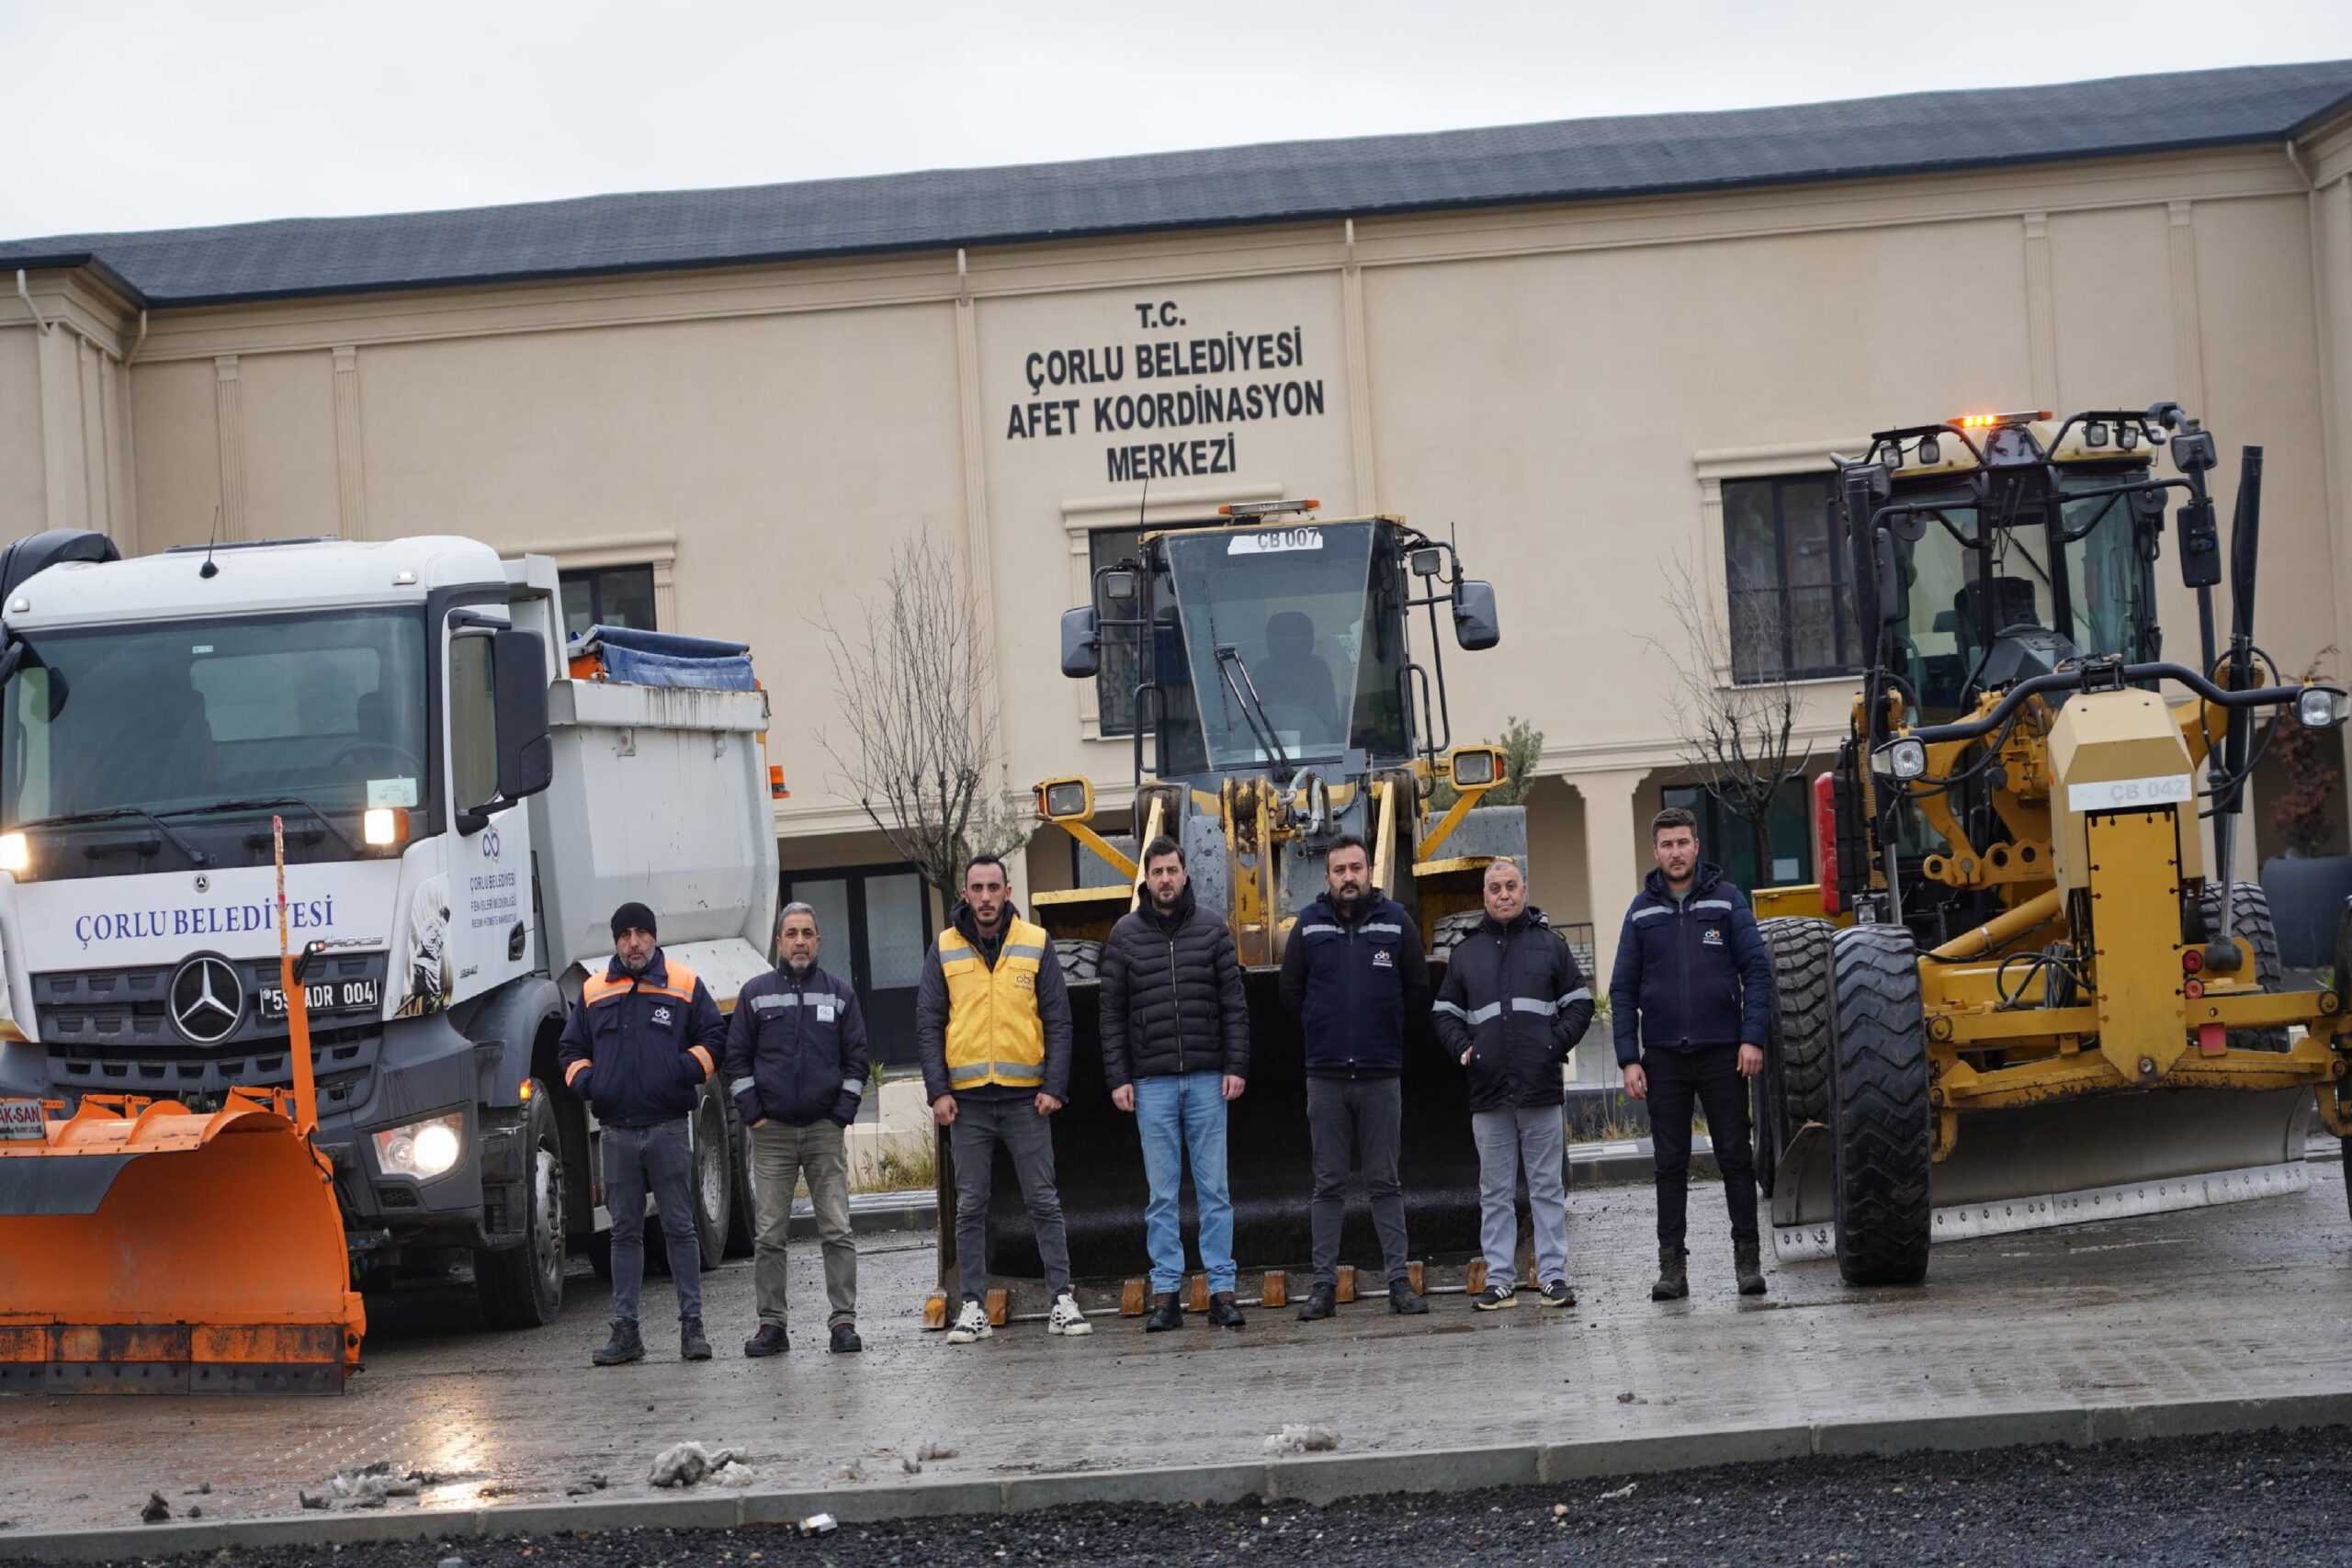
(148,1249)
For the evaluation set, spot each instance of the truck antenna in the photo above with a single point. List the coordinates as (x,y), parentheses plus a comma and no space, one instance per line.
(208,571)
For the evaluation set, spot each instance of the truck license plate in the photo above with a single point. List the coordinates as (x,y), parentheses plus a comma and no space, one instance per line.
(326,996)
(22,1120)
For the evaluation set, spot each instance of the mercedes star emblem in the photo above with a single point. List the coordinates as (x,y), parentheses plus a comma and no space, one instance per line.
(203,883)
(207,999)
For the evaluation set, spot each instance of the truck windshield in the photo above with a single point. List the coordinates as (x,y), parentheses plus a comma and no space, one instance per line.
(177,717)
(1313,621)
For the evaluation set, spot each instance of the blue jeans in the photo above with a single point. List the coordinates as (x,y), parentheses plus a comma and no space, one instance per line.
(1182,1114)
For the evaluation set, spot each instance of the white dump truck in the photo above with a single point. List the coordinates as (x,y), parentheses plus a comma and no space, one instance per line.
(463,804)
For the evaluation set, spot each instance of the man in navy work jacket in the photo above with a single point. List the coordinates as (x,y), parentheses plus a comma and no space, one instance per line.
(795,1064)
(640,1046)
(1691,1002)
(1352,975)
(1514,1004)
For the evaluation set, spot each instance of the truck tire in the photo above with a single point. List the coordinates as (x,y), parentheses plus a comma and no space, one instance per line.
(2249,918)
(742,1219)
(522,1287)
(713,1180)
(1080,960)
(1882,1134)
(1801,959)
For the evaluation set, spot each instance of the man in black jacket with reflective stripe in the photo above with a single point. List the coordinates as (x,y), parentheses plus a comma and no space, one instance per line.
(1514,1004)
(795,1062)
(1175,1050)
(1691,1001)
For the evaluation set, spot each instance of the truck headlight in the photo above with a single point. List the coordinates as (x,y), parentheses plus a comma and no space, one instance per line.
(2319,707)
(1902,760)
(423,1149)
(16,852)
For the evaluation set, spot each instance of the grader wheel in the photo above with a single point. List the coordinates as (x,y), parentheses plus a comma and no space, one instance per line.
(2249,918)
(1880,1127)
(1801,1013)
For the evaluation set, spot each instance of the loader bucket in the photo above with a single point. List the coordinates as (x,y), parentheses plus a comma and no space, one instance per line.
(145,1248)
(1098,1158)
(2070,1162)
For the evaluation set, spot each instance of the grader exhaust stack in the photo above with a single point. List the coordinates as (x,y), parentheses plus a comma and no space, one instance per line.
(150,1249)
(2047,1008)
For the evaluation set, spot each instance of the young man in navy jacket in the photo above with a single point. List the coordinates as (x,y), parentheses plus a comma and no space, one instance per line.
(1691,1001)
(795,1064)
(638,1047)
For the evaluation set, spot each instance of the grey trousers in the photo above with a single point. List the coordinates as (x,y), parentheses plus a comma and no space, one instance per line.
(980,1124)
(1529,1138)
(781,1155)
(1354,1123)
(662,1159)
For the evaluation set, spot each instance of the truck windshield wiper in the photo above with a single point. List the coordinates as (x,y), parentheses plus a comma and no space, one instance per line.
(269,803)
(118,813)
(1253,710)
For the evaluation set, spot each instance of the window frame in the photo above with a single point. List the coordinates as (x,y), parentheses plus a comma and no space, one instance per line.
(594,578)
(1844,633)
(1710,468)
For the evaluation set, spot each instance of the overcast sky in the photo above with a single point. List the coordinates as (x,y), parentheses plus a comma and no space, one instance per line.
(141,115)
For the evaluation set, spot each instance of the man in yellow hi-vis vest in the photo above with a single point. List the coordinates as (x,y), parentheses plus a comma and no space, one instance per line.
(992,1025)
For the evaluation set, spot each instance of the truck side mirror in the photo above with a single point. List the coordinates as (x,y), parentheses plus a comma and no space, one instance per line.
(1474,626)
(1081,643)
(526,752)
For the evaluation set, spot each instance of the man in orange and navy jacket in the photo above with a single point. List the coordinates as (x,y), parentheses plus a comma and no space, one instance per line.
(644,1039)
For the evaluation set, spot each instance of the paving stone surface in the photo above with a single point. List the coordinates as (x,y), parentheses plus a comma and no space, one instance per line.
(2210,1304)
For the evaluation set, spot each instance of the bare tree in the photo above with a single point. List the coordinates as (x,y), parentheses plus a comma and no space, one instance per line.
(1736,729)
(916,742)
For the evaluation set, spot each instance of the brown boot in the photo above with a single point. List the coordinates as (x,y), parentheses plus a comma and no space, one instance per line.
(1673,1274)
(1747,1263)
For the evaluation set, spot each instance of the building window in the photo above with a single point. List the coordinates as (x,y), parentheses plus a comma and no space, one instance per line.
(1789,576)
(1728,841)
(1115,681)
(607,596)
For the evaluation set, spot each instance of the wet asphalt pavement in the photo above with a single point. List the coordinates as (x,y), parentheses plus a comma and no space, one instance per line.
(2277,1498)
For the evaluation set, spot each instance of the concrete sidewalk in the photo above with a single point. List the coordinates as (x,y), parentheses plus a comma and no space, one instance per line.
(2192,1321)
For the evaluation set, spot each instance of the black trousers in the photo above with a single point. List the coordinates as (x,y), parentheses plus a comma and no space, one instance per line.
(1708,1075)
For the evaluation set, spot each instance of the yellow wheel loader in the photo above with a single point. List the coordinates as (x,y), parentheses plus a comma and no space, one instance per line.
(1280,705)
(2036,998)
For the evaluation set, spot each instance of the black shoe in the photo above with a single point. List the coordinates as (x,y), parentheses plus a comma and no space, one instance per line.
(1224,1311)
(1749,1265)
(1166,1312)
(1405,1300)
(1557,1294)
(771,1340)
(1673,1274)
(845,1339)
(691,1345)
(1496,1297)
(625,1344)
(1321,1301)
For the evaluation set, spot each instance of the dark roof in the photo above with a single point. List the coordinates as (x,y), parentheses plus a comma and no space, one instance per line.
(1279,182)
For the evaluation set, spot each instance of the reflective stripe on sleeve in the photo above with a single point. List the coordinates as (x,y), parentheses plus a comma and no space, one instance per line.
(1448,1006)
(1581,994)
(702,1055)
(854,1086)
(740,1085)
(572,1073)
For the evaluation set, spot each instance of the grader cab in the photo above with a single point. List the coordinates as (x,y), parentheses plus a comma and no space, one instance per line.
(2036,998)
(1280,704)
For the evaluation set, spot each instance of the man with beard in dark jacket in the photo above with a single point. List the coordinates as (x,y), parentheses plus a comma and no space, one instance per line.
(1691,1001)
(1175,1049)
(795,1062)
(1514,1004)
(1353,975)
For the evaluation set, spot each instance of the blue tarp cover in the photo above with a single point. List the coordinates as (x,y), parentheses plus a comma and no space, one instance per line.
(666,659)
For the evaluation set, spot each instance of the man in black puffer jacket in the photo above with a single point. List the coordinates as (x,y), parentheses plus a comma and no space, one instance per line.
(1175,1049)
(1514,1004)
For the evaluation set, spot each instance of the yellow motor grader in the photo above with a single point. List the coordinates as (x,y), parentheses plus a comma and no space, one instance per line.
(2036,999)
(1283,705)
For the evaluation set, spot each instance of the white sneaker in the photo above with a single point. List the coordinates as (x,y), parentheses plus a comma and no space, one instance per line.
(1066,1318)
(971,1324)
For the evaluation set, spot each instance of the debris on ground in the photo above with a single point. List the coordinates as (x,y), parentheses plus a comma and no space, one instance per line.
(596,1481)
(201,1489)
(156,1511)
(1559,1510)
(929,1452)
(1295,1438)
(371,1486)
(309,1501)
(196,1512)
(853,1471)
(734,1473)
(687,1465)
(452,1562)
(1620,1495)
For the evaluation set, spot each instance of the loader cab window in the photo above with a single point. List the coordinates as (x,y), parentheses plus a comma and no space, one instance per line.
(1289,638)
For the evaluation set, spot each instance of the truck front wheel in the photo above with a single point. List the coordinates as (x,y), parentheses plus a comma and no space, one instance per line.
(522,1286)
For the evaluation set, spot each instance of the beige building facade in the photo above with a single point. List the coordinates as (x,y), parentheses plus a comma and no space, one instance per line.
(1589,395)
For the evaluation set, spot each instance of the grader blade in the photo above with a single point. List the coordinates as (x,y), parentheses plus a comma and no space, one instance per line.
(2071,1162)
(1269,1158)
(150,1249)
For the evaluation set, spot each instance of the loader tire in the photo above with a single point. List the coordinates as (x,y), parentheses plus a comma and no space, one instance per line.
(1882,1131)
(2250,917)
(1801,1014)
(1080,960)
(522,1287)
(1451,931)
